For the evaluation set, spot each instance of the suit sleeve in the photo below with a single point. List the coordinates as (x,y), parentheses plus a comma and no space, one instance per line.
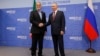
(32,19)
(45,21)
(63,22)
(49,21)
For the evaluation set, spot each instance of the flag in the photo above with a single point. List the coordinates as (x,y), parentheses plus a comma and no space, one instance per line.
(34,5)
(90,26)
(34,8)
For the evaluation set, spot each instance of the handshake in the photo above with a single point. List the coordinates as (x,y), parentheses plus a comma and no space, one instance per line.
(41,25)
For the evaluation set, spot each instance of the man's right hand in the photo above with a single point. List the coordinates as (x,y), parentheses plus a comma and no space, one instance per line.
(41,25)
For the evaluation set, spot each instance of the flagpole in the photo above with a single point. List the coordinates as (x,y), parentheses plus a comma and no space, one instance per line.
(90,49)
(34,8)
(90,26)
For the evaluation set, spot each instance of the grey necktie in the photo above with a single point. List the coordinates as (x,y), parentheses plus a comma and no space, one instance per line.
(40,14)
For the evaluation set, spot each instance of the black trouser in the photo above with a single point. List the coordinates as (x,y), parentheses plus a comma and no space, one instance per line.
(37,39)
(58,44)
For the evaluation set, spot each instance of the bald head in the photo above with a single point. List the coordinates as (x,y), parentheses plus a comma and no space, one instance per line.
(54,6)
(38,5)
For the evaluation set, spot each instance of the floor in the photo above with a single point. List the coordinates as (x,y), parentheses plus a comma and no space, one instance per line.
(19,51)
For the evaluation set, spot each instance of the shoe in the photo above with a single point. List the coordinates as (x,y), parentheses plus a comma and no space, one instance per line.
(33,55)
(56,55)
(40,55)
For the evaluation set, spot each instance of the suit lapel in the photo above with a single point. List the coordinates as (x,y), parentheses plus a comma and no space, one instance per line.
(42,15)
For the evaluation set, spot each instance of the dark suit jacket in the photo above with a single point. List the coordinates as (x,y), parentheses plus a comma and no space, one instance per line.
(58,24)
(35,20)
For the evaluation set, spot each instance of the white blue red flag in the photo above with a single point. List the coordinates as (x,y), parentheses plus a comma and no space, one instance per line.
(90,26)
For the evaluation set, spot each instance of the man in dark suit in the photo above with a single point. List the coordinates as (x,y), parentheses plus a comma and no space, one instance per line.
(37,19)
(57,22)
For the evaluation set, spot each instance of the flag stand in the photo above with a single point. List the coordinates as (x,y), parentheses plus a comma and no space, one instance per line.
(90,49)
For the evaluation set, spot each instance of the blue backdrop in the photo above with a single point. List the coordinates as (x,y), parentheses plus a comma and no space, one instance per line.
(15,27)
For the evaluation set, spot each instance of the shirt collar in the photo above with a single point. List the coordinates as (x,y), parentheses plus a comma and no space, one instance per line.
(56,11)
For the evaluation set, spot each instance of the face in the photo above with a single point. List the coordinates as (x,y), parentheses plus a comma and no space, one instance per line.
(38,6)
(54,7)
